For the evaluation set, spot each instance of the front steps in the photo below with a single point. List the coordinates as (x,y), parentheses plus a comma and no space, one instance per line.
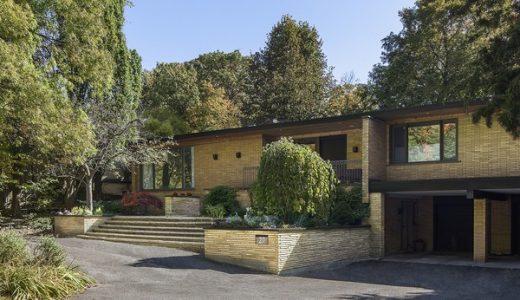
(185,233)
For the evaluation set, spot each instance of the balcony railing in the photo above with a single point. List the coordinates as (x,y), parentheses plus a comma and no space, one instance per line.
(347,171)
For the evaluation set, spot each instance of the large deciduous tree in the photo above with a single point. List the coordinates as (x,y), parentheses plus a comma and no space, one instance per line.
(290,75)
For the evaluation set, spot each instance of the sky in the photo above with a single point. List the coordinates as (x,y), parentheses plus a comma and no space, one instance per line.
(178,31)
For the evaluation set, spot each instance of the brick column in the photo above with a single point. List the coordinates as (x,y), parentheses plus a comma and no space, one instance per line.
(377,223)
(480,230)
(135,178)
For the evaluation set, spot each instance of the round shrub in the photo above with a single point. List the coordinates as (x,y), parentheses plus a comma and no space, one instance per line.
(223,196)
(292,180)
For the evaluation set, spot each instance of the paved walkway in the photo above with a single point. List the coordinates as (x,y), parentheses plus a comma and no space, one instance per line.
(138,272)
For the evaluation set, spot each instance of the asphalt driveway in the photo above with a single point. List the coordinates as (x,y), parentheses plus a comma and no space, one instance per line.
(138,272)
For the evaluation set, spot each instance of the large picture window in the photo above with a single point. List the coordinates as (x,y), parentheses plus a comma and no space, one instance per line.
(423,142)
(176,174)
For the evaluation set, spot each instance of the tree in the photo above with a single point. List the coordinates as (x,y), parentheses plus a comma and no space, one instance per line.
(290,75)
(430,60)
(498,64)
(229,71)
(39,128)
(349,97)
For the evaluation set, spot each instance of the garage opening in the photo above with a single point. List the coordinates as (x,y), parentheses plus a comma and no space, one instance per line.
(515,225)
(453,224)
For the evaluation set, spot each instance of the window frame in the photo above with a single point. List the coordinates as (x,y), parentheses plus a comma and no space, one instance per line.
(184,188)
(419,124)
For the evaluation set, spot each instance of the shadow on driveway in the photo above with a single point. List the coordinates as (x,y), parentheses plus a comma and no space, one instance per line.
(191,262)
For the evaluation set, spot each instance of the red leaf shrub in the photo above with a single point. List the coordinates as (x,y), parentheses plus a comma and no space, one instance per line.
(141,198)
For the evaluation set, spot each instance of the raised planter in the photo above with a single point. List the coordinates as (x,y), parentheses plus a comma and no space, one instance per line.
(286,251)
(75,225)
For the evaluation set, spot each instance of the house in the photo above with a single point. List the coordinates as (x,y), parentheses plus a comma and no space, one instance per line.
(434,180)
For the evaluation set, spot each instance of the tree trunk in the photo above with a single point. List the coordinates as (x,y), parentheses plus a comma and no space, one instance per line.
(15,203)
(98,186)
(70,187)
(4,198)
(89,185)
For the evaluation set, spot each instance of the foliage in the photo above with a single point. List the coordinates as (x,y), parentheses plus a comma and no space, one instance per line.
(42,282)
(224,196)
(348,97)
(42,276)
(41,224)
(348,208)
(13,249)
(111,207)
(290,77)
(81,211)
(215,211)
(293,179)
(49,252)
(498,65)
(141,199)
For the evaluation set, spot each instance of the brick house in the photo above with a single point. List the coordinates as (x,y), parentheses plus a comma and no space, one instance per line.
(434,180)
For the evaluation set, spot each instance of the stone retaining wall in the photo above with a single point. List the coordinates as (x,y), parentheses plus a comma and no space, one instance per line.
(282,251)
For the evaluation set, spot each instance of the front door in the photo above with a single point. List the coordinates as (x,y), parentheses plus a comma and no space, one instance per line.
(407,224)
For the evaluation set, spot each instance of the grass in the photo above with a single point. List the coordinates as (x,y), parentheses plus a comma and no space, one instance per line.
(41,275)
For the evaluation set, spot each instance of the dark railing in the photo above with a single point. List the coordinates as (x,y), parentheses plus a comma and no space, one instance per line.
(347,171)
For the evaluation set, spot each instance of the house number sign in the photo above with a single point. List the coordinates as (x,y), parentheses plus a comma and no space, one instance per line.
(261,239)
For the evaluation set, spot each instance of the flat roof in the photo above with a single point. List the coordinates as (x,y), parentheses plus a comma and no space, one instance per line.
(380,114)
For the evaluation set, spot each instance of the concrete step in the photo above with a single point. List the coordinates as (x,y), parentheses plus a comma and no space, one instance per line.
(163,219)
(160,223)
(190,246)
(153,228)
(151,231)
(146,237)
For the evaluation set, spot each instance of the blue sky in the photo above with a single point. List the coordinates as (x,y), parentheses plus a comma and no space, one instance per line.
(176,31)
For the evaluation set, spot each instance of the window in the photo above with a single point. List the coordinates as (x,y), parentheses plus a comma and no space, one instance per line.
(424,142)
(177,173)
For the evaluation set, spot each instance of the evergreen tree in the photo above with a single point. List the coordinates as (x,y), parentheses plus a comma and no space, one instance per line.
(290,75)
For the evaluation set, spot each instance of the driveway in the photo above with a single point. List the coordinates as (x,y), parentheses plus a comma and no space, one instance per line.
(129,272)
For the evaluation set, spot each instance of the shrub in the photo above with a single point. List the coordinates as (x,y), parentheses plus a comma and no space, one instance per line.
(141,199)
(215,211)
(13,248)
(42,224)
(49,252)
(81,211)
(224,196)
(111,207)
(348,208)
(42,282)
(293,179)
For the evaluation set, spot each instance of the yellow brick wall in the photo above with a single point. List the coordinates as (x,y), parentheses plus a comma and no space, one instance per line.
(483,152)
(377,223)
(287,250)
(373,153)
(238,247)
(501,227)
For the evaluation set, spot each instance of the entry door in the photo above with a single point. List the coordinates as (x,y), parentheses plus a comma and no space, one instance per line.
(407,224)
(453,224)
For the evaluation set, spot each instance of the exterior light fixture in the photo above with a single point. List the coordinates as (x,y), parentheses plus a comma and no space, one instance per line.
(238,154)
(215,156)
(355,149)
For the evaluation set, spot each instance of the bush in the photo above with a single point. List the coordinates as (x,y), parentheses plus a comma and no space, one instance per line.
(49,252)
(81,211)
(13,249)
(348,208)
(294,180)
(224,196)
(42,276)
(42,282)
(111,207)
(215,211)
(42,224)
